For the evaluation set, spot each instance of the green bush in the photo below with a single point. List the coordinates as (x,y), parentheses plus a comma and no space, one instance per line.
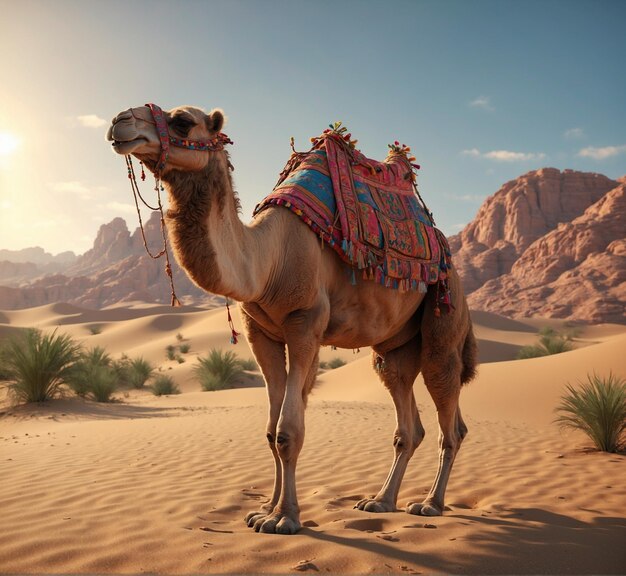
(597,408)
(170,352)
(249,364)
(184,348)
(5,373)
(102,382)
(37,364)
(137,372)
(164,385)
(81,373)
(549,343)
(336,363)
(218,371)
(121,368)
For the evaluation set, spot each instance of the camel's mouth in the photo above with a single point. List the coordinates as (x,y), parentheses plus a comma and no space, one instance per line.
(128,146)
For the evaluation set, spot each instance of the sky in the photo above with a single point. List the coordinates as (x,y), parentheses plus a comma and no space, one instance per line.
(483,91)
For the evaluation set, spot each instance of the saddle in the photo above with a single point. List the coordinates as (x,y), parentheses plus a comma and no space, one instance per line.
(369,212)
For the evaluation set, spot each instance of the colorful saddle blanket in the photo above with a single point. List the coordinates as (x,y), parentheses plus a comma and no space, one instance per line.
(369,212)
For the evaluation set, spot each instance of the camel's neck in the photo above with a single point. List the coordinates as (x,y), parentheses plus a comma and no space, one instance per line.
(211,243)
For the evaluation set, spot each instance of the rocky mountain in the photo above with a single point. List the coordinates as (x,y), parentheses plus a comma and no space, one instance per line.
(116,269)
(36,255)
(549,244)
(19,266)
(522,211)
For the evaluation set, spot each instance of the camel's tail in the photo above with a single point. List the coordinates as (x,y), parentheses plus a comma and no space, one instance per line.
(469,357)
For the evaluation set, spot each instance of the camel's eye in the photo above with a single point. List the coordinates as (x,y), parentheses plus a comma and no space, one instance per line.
(182,124)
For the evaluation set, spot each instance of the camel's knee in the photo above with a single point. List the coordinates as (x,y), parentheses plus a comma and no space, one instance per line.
(461,429)
(418,434)
(289,441)
(450,443)
(408,441)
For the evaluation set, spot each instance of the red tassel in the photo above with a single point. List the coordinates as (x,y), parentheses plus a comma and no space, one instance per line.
(233,333)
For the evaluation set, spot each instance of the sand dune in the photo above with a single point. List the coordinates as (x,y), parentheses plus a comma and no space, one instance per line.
(161,485)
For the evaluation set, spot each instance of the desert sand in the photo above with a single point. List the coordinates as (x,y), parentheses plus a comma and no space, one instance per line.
(161,485)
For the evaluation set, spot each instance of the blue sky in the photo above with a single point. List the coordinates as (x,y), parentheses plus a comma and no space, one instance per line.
(483,91)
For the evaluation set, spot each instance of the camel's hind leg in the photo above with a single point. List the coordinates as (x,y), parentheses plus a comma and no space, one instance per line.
(443,380)
(398,372)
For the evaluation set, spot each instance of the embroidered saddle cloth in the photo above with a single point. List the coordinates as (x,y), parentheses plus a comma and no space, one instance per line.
(367,211)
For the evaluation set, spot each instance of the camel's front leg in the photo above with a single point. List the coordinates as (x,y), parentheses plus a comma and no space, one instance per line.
(271,358)
(303,348)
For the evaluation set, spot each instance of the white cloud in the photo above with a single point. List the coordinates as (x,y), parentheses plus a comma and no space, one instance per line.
(602,153)
(482,102)
(91,121)
(474,152)
(508,156)
(574,134)
(72,187)
(504,155)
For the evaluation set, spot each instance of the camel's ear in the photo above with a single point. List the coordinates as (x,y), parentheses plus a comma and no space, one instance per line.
(215,120)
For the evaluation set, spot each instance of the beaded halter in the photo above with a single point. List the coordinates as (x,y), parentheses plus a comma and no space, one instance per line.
(215,144)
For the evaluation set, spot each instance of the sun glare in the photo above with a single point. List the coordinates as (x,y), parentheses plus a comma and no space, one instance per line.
(8,143)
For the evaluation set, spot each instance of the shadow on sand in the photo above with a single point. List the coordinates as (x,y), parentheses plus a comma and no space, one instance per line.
(519,541)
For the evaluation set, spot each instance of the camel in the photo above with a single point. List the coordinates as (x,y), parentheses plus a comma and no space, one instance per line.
(295,296)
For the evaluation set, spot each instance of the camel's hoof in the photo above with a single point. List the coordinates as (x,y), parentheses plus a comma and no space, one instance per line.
(423,509)
(372,505)
(252,517)
(277,524)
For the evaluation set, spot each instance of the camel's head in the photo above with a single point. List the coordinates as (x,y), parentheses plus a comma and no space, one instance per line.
(180,139)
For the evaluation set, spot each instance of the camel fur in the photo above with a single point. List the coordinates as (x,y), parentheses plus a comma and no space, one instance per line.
(289,310)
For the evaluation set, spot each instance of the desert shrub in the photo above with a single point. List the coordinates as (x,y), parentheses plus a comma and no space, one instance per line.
(5,373)
(179,359)
(249,364)
(94,329)
(531,352)
(121,368)
(184,348)
(597,408)
(81,373)
(37,364)
(102,383)
(323,365)
(555,344)
(170,352)
(96,355)
(180,337)
(219,370)
(549,343)
(164,385)
(138,372)
(336,363)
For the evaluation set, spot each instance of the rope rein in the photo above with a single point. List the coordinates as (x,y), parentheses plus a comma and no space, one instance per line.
(216,143)
(164,251)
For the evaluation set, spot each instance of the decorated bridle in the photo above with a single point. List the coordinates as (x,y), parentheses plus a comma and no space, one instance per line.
(215,144)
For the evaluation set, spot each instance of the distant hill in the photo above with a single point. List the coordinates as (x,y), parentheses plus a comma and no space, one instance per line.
(548,243)
(116,269)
